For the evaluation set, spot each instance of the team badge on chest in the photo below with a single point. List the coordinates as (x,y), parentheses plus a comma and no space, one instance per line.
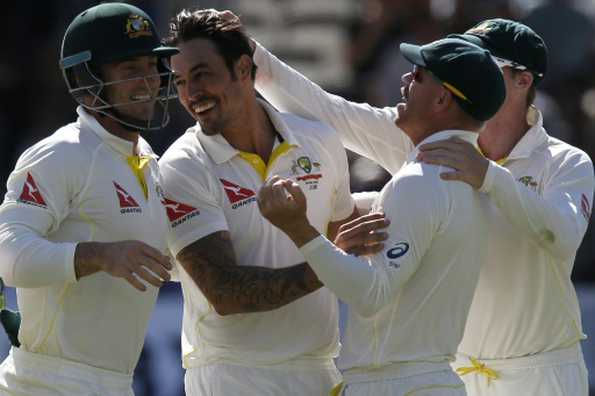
(310,172)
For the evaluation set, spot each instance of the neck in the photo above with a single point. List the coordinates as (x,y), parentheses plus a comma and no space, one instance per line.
(503,132)
(115,128)
(253,131)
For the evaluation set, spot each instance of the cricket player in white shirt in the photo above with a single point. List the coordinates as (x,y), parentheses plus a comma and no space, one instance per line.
(541,189)
(408,304)
(257,320)
(524,328)
(82,226)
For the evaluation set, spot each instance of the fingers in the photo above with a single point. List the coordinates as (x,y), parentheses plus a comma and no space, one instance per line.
(452,143)
(441,156)
(147,276)
(133,280)
(362,235)
(157,256)
(362,219)
(229,21)
(296,192)
(154,266)
(452,176)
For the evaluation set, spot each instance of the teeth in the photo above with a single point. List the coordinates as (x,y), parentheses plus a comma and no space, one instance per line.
(203,106)
(141,97)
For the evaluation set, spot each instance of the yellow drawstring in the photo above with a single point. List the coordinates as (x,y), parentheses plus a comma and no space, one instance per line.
(137,164)
(337,389)
(479,368)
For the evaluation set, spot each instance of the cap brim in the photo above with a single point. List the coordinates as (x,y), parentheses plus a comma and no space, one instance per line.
(413,54)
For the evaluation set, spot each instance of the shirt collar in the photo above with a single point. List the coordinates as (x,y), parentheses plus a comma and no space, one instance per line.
(470,137)
(120,145)
(533,138)
(219,149)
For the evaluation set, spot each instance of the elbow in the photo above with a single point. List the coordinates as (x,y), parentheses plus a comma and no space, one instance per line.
(7,267)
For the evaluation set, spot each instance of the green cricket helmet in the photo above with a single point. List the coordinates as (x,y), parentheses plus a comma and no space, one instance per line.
(113,32)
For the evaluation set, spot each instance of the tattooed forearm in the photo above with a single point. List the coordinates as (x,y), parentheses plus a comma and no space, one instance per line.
(241,289)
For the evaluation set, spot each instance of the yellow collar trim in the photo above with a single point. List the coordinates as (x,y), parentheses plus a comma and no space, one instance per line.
(137,165)
(500,162)
(258,164)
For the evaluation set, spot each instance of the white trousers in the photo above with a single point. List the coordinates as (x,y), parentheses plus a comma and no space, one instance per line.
(28,374)
(556,373)
(223,379)
(404,379)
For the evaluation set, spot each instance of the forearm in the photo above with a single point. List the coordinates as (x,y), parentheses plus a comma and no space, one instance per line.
(28,260)
(351,279)
(233,289)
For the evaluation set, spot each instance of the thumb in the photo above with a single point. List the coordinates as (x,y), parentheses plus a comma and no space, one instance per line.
(296,192)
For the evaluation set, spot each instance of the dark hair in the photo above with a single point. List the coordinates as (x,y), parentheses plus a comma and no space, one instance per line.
(231,43)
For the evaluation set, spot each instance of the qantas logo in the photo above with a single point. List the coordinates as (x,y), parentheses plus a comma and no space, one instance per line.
(127,203)
(238,196)
(585,207)
(30,194)
(178,212)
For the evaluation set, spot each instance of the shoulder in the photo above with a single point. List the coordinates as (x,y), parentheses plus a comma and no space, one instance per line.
(186,162)
(186,148)
(67,149)
(561,157)
(307,129)
(561,149)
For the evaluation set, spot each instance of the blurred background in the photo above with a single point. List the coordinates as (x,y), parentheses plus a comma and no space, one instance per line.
(350,47)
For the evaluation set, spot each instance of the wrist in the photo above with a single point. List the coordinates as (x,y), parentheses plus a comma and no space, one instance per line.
(86,259)
(301,233)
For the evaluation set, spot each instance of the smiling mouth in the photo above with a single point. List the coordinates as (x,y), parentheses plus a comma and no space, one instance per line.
(141,98)
(203,107)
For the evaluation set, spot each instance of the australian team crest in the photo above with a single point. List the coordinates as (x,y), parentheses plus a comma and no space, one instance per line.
(137,26)
(529,182)
(305,164)
(310,179)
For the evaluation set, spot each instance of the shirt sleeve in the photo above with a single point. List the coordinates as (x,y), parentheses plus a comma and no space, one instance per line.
(556,218)
(367,286)
(366,130)
(191,202)
(40,192)
(343,204)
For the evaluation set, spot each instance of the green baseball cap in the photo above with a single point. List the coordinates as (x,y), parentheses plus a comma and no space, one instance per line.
(110,32)
(511,43)
(466,70)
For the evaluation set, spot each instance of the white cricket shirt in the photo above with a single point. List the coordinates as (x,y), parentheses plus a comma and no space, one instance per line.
(211,186)
(525,302)
(73,186)
(410,301)
(542,198)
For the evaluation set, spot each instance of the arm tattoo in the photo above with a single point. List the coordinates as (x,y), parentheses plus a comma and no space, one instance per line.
(231,288)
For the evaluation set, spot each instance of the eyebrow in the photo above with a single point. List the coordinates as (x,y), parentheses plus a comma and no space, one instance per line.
(199,65)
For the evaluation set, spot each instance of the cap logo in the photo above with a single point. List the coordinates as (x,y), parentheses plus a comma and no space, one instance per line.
(481,28)
(137,26)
